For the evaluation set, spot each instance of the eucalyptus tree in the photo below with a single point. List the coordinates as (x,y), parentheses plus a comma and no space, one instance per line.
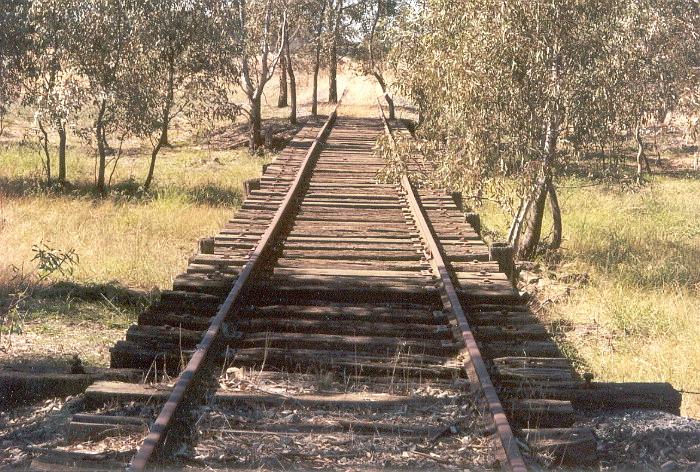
(334,17)
(14,44)
(380,16)
(302,39)
(52,87)
(318,46)
(341,19)
(652,70)
(690,105)
(287,63)
(102,52)
(500,85)
(261,28)
(174,59)
(282,99)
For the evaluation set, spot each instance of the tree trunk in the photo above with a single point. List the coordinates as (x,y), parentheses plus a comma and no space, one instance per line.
(387,97)
(282,99)
(101,140)
(556,216)
(317,62)
(101,156)
(61,153)
(154,155)
(641,155)
(376,72)
(162,141)
(314,93)
(164,138)
(333,70)
(292,85)
(527,245)
(45,147)
(108,149)
(255,123)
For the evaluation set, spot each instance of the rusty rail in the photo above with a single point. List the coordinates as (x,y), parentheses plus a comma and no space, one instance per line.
(205,349)
(475,366)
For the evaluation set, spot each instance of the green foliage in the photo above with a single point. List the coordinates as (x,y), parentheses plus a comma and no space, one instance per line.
(52,260)
(508,90)
(14,43)
(488,76)
(131,67)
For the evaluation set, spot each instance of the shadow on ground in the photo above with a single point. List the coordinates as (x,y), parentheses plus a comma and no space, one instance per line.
(126,191)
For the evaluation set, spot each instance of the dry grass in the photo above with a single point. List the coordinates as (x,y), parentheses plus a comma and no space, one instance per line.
(127,240)
(637,317)
(642,251)
(130,243)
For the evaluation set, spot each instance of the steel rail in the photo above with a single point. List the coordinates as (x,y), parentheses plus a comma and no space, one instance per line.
(475,365)
(188,377)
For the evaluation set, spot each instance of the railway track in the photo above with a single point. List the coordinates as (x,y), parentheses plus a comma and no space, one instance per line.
(336,322)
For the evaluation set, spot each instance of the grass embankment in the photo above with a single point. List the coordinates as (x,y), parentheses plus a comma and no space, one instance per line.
(129,243)
(637,318)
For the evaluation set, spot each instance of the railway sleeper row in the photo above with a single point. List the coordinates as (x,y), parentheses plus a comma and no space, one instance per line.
(341,352)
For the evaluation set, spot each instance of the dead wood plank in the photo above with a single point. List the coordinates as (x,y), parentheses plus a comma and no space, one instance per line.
(366,328)
(317,195)
(352,205)
(403,266)
(338,426)
(195,300)
(145,334)
(51,460)
(540,413)
(511,332)
(524,369)
(177,320)
(79,431)
(495,349)
(214,284)
(222,260)
(23,388)
(374,344)
(381,314)
(370,239)
(474,276)
(101,393)
(205,269)
(497,318)
(108,419)
(596,396)
(171,358)
(569,446)
(395,247)
(333,281)
(336,255)
(424,366)
(487,291)
(502,307)
(104,392)
(338,292)
(476,266)
(125,354)
(398,274)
